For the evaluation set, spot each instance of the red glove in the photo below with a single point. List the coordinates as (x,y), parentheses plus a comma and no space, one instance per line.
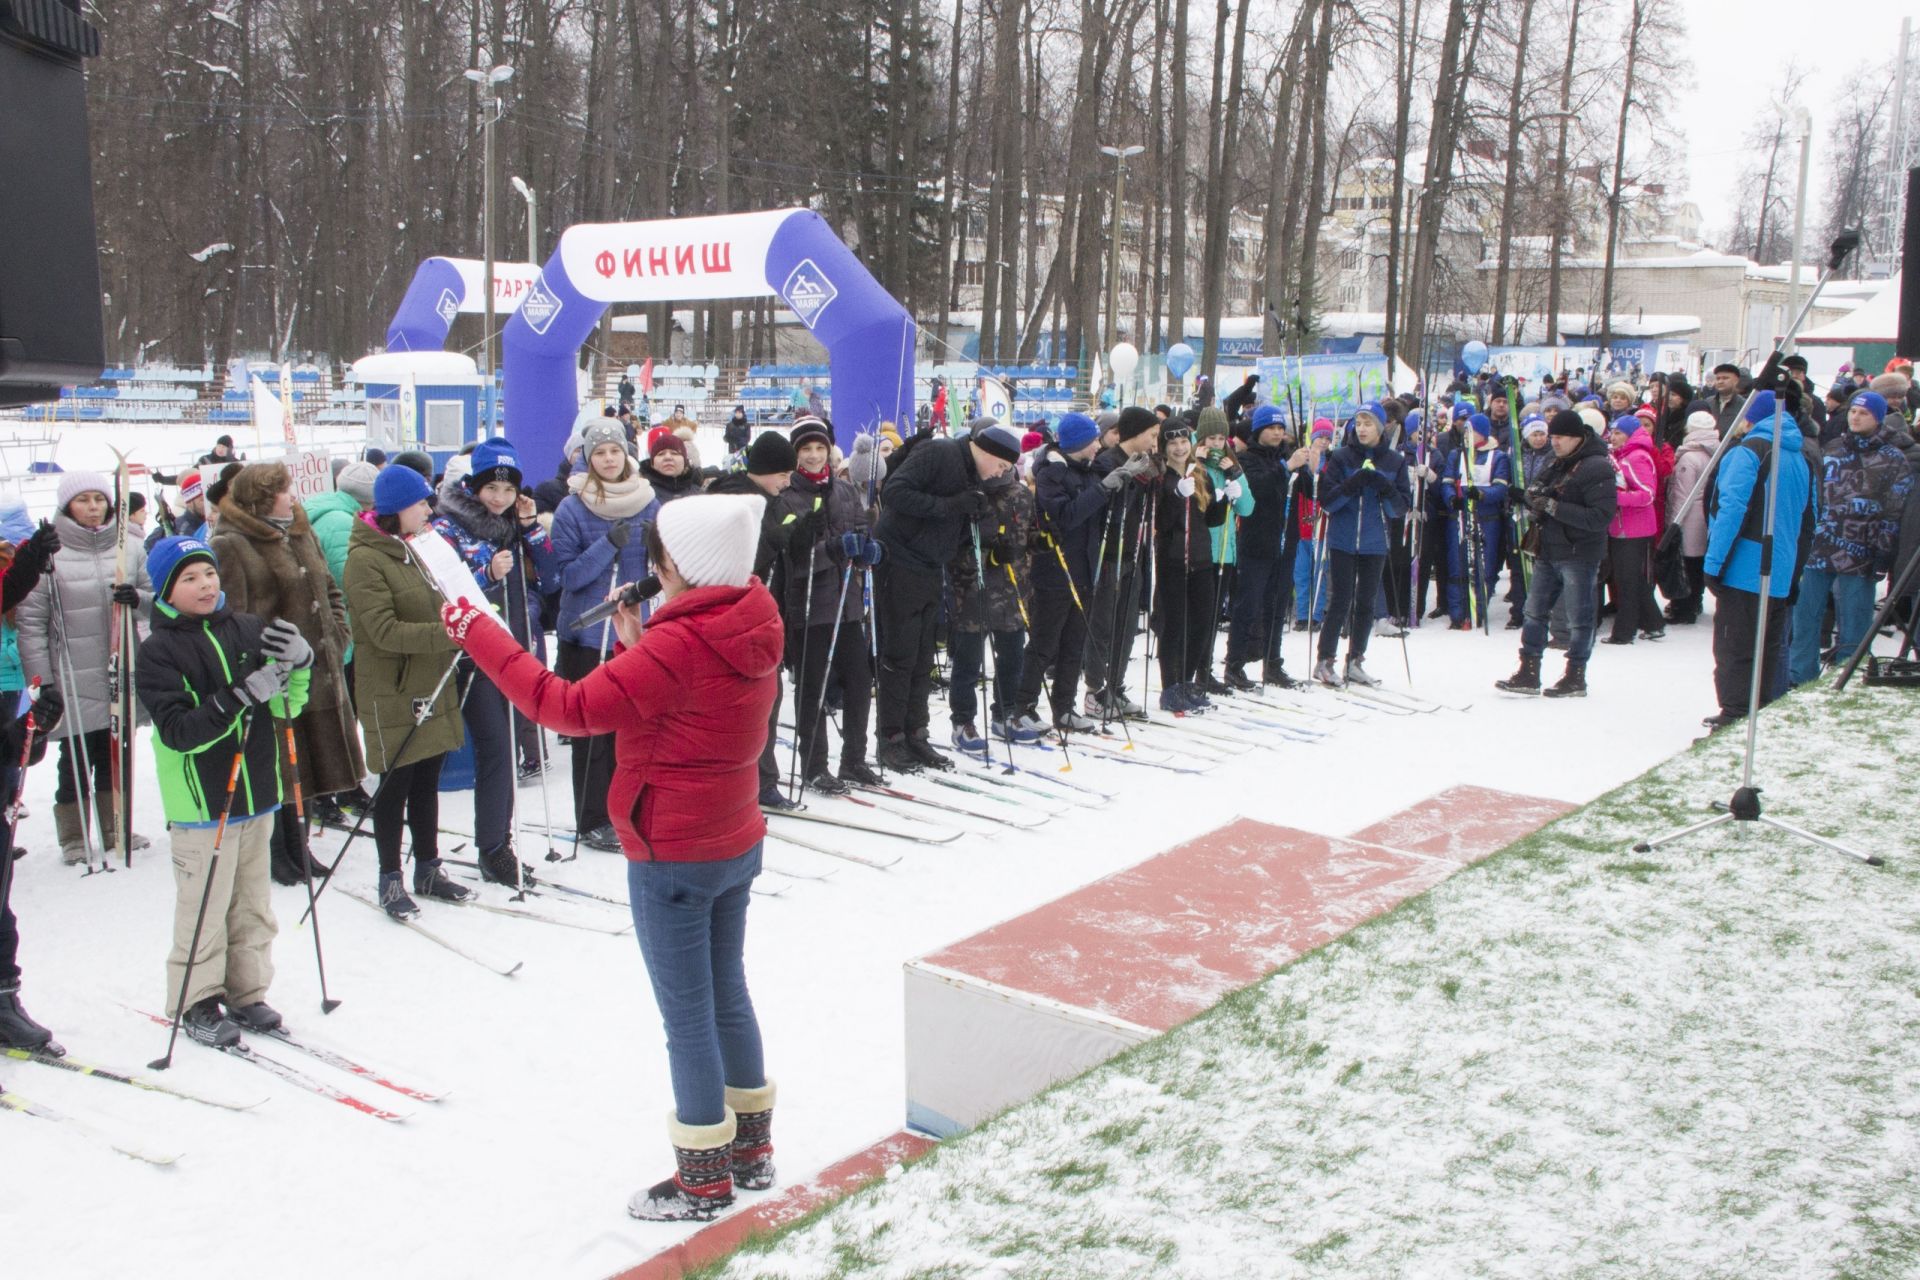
(456,618)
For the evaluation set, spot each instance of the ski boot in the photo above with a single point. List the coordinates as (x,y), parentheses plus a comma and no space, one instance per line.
(1357,673)
(1526,679)
(967,739)
(393,897)
(604,839)
(923,751)
(1197,698)
(1206,684)
(206,1023)
(1275,674)
(430,880)
(856,773)
(499,866)
(18,1031)
(1323,673)
(826,784)
(701,1187)
(774,800)
(1173,699)
(1572,683)
(1237,681)
(259,1017)
(894,754)
(1074,722)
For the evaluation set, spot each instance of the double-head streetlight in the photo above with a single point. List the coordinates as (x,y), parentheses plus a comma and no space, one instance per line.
(489,83)
(1120,157)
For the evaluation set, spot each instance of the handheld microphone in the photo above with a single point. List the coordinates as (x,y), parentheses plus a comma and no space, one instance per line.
(633,593)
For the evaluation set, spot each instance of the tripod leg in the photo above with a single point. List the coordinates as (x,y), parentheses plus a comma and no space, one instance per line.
(1871,860)
(1654,842)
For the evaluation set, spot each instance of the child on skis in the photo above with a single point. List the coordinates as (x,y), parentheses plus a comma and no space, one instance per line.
(217,684)
(1475,490)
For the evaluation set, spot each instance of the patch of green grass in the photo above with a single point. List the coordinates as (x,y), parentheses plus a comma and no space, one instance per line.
(1639,869)
(1075,1175)
(1450,988)
(1319,1249)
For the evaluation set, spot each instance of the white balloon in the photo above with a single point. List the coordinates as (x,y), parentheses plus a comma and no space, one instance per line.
(1123,358)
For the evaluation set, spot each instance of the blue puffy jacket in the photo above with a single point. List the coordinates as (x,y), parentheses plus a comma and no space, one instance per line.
(1734,557)
(1359,501)
(587,563)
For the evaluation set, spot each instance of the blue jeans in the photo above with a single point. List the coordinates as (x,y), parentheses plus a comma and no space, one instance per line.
(691,919)
(1852,596)
(1572,583)
(1303,563)
(968,649)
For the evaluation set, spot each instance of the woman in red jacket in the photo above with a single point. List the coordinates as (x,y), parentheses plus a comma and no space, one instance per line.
(687,700)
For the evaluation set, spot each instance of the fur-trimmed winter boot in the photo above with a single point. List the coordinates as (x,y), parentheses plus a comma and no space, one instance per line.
(753,1136)
(701,1187)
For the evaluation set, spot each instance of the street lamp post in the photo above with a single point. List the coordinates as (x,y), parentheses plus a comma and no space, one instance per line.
(489,83)
(533,221)
(1120,156)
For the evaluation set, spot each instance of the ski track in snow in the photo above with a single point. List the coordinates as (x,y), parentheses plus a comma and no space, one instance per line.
(558,1076)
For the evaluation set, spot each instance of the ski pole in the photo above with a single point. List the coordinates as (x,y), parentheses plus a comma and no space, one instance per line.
(327,1004)
(986,643)
(165,1060)
(1387,533)
(820,706)
(806,632)
(593,742)
(79,759)
(422,711)
(539,734)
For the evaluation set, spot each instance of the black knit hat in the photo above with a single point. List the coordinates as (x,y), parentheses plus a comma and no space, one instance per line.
(770,455)
(1134,420)
(1567,423)
(807,428)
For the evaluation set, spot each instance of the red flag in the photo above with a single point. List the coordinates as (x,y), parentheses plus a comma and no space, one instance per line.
(646,377)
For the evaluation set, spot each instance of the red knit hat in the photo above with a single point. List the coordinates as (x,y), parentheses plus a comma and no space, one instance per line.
(662,440)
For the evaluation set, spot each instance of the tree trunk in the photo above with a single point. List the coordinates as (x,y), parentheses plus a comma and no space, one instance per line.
(1619,179)
(1177,186)
(1556,250)
(1513,171)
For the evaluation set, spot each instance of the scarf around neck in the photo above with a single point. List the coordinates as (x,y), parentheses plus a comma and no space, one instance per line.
(622,500)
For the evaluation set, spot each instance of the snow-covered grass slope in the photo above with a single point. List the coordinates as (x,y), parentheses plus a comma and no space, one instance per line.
(1571,1060)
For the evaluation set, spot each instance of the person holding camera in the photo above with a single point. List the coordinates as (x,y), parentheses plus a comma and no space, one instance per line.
(686,697)
(1572,501)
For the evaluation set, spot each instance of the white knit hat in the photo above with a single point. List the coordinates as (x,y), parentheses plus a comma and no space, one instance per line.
(75,483)
(712,537)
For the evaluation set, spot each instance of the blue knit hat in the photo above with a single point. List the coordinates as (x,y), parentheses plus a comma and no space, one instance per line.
(1075,432)
(1482,425)
(493,460)
(169,556)
(397,488)
(1761,409)
(1267,415)
(1626,424)
(1374,410)
(1873,402)
(1462,411)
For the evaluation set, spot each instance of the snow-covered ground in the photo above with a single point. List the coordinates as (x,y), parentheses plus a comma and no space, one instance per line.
(1572,1060)
(558,1075)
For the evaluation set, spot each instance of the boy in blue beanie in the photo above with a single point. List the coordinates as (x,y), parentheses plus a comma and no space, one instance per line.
(214,682)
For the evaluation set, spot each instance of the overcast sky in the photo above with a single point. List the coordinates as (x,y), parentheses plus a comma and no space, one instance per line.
(1733,43)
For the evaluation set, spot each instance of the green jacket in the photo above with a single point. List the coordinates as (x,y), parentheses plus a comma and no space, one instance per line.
(185,678)
(400,652)
(333,515)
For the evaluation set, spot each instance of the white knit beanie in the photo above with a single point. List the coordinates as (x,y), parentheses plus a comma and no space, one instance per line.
(712,537)
(75,483)
(356,481)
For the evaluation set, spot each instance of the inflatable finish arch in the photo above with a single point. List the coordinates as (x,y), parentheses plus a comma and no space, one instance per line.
(443,288)
(788,253)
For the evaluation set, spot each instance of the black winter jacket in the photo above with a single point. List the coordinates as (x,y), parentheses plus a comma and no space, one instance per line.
(1068,502)
(1264,534)
(1581,486)
(765,557)
(841,513)
(1004,535)
(922,522)
(1182,532)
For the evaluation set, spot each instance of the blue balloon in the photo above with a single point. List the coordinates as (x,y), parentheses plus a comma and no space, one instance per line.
(1474,355)
(1179,359)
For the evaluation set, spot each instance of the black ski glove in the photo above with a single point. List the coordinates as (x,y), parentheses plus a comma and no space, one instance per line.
(618,535)
(127,594)
(36,554)
(969,504)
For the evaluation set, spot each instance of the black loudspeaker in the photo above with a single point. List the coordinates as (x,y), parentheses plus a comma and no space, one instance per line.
(50,325)
(1908,341)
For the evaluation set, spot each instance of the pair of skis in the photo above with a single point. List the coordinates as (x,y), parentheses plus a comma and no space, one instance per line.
(120,661)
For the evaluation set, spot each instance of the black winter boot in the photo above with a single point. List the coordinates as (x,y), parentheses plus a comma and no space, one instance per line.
(1573,684)
(1526,679)
(701,1187)
(498,865)
(893,753)
(753,1136)
(18,1031)
(430,880)
(1237,680)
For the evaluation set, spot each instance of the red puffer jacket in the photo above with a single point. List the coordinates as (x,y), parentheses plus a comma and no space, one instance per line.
(688,710)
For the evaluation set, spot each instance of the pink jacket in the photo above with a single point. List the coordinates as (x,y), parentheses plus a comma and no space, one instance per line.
(1635,483)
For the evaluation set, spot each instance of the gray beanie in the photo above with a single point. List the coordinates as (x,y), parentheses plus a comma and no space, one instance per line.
(356,481)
